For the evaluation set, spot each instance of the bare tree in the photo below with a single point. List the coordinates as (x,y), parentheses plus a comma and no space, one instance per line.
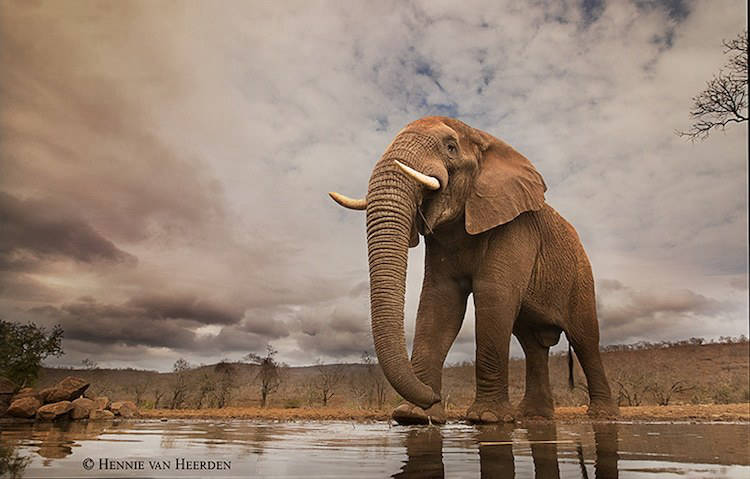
(89,364)
(328,377)
(180,383)
(158,394)
(725,98)
(360,389)
(664,384)
(139,389)
(269,375)
(378,383)
(632,381)
(206,386)
(225,372)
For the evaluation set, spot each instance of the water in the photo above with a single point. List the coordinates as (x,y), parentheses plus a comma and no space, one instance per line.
(343,449)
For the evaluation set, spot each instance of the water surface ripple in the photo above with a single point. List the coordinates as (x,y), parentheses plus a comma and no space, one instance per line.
(188,448)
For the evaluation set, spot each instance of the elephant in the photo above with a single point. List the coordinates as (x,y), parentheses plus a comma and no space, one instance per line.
(480,206)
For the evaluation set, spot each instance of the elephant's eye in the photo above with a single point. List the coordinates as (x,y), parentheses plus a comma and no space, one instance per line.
(452,148)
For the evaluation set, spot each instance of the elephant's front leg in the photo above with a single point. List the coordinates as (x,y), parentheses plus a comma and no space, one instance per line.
(442,306)
(495,316)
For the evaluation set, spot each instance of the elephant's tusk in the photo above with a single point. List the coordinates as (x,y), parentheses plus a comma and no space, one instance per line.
(346,202)
(429,182)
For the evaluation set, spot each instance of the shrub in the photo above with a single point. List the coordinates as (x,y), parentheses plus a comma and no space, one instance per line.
(23,347)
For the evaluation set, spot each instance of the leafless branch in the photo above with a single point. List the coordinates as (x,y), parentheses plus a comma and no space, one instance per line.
(725,99)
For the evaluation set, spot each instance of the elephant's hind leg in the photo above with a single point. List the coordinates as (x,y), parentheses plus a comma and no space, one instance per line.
(583,335)
(537,400)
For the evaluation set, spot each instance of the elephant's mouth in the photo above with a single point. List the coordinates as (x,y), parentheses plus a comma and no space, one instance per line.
(421,218)
(424,218)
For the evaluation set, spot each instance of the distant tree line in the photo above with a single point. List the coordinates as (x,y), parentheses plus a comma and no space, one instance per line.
(646,372)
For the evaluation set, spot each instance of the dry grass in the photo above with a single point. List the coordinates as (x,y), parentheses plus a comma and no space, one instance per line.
(689,412)
(703,374)
(280,414)
(682,412)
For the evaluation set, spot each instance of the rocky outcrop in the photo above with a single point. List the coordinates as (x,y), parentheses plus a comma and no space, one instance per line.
(25,393)
(125,409)
(100,414)
(45,393)
(56,410)
(25,407)
(82,407)
(102,402)
(63,400)
(68,389)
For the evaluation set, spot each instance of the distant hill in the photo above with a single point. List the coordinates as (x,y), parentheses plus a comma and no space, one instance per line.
(638,374)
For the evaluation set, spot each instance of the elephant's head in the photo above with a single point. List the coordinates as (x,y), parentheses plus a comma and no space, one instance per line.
(435,172)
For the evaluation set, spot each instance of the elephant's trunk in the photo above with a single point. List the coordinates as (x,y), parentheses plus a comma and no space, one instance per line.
(392,200)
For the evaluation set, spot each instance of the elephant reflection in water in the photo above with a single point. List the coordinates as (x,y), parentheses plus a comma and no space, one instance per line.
(424,449)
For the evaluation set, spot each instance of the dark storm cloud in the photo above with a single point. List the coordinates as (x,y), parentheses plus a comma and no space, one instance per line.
(73,133)
(186,307)
(105,324)
(337,329)
(231,340)
(592,10)
(173,321)
(24,288)
(270,323)
(627,314)
(677,10)
(35,231)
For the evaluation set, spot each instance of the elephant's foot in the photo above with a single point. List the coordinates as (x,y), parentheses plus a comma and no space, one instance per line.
(408,413)
(603,410)
(490,412)
(536,408)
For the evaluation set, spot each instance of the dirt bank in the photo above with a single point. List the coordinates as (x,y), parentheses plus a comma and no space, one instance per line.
(698,412)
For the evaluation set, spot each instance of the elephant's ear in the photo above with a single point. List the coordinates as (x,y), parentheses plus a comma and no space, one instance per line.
(506,185)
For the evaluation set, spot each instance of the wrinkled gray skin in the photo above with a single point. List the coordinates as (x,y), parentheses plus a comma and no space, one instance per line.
(489,233)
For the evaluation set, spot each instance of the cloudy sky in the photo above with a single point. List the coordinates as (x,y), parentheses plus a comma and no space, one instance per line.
(164,165)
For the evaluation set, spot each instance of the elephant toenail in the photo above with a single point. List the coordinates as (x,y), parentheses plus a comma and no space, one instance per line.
(488,416)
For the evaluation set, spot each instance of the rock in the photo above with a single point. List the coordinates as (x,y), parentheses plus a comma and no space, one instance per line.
(24,407)
(68,389)
(102,402)
(56,410)
(26,393)
(81,408)
(100,414)
(45,393)
(123,408)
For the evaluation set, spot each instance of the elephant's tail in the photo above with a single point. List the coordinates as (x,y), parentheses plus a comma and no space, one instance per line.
(571,381)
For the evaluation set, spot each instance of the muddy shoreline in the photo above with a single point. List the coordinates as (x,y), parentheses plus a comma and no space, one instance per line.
(693,412)
(700,413)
